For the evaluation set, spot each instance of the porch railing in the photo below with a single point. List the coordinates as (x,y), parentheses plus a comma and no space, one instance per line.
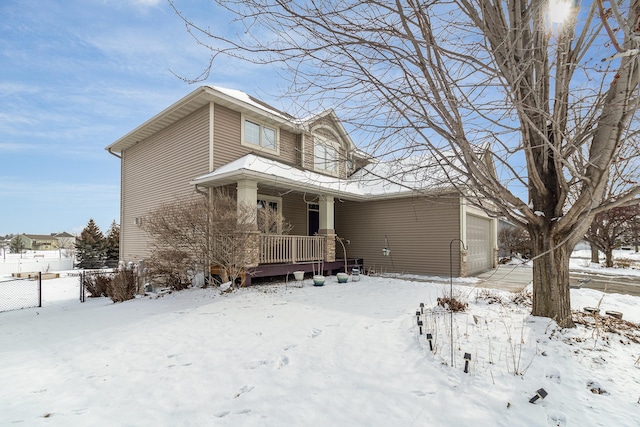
(276,249)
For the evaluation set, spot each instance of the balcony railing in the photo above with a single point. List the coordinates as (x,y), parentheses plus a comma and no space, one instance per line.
(277,249)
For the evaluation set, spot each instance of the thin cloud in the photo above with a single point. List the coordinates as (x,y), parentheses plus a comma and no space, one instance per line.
(16,147)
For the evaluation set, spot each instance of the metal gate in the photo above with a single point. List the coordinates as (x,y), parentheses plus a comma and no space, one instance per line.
(19,293)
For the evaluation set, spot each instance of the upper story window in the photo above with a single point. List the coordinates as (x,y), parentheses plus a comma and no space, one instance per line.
(325,156)
(255,134)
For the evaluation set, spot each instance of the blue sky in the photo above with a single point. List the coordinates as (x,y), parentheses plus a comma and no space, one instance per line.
(75,76)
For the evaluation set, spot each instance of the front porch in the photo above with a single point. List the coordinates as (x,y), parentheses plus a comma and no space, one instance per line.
(280,255)
(273,270)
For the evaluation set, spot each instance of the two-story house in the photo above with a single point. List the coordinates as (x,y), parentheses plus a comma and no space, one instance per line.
(40,242)
(311,172)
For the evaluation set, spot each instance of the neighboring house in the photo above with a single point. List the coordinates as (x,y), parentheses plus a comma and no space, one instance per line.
(37,242)
(312,173)
(65,240)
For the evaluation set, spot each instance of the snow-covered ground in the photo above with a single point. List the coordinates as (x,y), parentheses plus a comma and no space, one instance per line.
(342,354)
(581,261)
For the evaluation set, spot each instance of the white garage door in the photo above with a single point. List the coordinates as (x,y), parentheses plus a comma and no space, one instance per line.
(479,253)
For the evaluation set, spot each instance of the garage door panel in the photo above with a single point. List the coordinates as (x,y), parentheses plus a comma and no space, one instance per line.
(479,251)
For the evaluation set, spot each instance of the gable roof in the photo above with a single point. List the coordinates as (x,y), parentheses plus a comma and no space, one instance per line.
(235,99)
(39,236)
(63,234)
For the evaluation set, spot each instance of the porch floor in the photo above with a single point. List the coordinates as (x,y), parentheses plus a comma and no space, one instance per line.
(328,268)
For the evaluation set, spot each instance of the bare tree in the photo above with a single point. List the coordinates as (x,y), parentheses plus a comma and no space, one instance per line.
(193,235)
(609,229)
(550,102)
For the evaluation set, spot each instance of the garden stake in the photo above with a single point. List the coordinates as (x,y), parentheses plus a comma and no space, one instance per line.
(540,394)
(420,326)
(429,338)
(467,359)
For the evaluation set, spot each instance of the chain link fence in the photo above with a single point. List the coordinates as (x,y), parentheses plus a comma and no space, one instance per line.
(16,294)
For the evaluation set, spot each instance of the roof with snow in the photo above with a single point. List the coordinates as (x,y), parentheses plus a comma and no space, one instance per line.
(234,99)
(231,98)
(384,179)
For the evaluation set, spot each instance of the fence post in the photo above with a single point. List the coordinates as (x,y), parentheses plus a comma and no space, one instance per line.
(82,294)
(40,289)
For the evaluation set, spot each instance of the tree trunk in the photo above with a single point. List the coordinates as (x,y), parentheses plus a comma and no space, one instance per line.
(595,254)
(551,278)
(608,253)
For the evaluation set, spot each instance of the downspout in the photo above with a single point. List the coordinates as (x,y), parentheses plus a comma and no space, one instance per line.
(120,243)
(113,154)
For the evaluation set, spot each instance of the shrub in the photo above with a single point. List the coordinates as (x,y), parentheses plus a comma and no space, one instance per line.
(123,287)
(452,304)
(97,284)
(169,268)
(624,263)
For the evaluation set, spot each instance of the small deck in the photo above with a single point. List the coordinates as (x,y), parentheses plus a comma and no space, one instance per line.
(273,270)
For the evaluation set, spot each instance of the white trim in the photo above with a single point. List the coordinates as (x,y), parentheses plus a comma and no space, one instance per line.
(276,200)
(463,221)
(321,141)
(262,125)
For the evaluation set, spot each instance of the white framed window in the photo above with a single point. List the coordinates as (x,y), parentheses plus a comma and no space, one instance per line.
(325,156)
(259,135)
(269,214)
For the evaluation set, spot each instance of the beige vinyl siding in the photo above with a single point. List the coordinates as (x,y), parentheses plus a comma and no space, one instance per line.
(226,136)
(158,170)
(294,210)
(418,231)
(227,146)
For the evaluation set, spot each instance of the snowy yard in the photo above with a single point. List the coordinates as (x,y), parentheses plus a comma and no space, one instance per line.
(342,354)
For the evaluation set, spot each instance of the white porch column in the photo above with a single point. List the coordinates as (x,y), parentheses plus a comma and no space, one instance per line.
(247,195)
(327,225)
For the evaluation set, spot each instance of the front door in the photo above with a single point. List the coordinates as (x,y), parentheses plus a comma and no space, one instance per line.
(313,218)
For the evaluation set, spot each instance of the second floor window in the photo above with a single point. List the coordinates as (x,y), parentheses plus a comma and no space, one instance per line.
(326,158)
(260,135)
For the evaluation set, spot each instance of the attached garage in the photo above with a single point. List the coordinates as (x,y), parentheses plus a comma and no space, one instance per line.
(479,244)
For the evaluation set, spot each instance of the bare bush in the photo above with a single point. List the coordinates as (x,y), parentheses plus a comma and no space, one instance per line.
(123,286)
(515,241)
(195,235)
(452,304)
(97,284)
(169,268)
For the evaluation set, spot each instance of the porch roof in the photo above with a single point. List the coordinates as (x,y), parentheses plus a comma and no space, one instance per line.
(272,173)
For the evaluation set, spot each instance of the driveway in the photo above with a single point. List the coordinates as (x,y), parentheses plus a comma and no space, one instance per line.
(514,278)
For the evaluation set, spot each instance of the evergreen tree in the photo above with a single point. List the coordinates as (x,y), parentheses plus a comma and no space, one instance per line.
(90,247)
(112,245)
(17,245)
